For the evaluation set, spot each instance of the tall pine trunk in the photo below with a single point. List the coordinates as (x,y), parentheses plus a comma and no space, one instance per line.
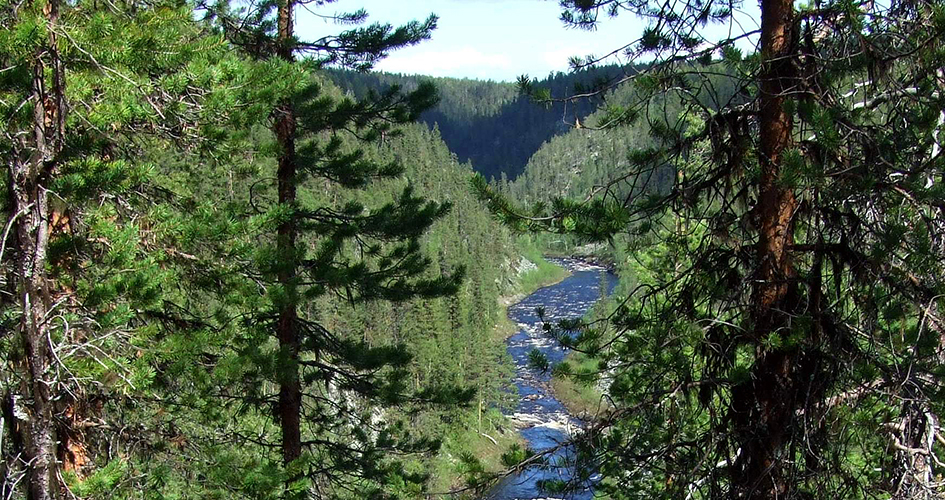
(32,229)
(765,405)
(287,326)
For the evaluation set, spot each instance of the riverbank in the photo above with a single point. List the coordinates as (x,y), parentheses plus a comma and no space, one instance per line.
(478,446)
(583,399)
(470,451)
(599,254)
(544,274)
(534,272)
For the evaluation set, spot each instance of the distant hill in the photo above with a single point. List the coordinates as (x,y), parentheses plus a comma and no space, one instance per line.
(487,123)
(574,163)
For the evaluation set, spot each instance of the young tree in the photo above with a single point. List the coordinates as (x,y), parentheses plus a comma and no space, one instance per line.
(785,340)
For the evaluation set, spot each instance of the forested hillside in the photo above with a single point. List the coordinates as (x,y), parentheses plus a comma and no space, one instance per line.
(598,156)
(201,400)
(222,278)
(237,264)
(488,123)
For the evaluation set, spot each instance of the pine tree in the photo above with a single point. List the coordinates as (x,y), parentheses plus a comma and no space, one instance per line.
(785,339)
(333,387)
(83,259)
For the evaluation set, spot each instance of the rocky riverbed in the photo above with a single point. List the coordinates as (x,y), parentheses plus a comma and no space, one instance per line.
(543,421)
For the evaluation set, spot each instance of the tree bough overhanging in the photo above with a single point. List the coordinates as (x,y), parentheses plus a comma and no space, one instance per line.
(83,244)
(783,338)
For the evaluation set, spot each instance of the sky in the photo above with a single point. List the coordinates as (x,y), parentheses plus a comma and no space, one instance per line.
(484,39)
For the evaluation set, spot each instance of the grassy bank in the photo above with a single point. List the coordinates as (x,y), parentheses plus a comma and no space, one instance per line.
(469,451)
(575,384)
(543,274)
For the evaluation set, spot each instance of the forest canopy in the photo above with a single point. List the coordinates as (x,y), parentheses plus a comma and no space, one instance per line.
(236,262)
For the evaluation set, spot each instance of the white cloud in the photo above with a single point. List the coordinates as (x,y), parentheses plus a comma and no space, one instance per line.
(461,62)
(558,57)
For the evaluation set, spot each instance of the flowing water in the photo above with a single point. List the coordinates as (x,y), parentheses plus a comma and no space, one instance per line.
(544,420)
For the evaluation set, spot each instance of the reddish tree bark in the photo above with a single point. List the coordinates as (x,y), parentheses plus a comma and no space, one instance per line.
(764,407)
(287,326)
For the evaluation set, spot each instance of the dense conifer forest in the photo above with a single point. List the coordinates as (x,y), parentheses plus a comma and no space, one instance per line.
(236,262)
(489,123)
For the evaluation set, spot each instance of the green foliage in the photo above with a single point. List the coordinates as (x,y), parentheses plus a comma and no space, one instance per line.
(394,348)
(538,361)
(100,484)
(97,228)
(165,266)
(706,382)
(488,123)
(516,455)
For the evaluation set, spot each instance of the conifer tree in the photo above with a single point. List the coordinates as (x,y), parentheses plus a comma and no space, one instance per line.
(785,338)
(82,254)
(333,387)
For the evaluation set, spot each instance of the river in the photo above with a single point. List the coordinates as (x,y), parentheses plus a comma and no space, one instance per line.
(545,421)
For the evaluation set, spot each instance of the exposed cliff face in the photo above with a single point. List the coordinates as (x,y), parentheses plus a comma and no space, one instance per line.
(523,266)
